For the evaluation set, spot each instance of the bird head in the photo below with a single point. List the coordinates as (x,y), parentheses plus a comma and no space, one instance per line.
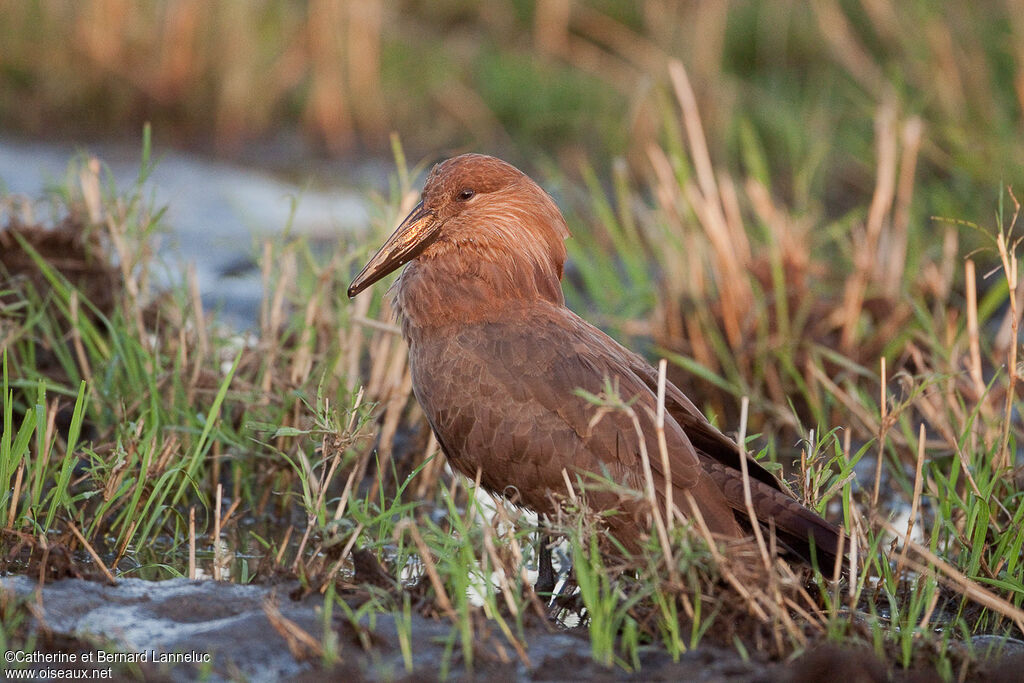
(475,207)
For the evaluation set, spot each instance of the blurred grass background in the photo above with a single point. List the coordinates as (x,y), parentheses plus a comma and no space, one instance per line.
(536,81)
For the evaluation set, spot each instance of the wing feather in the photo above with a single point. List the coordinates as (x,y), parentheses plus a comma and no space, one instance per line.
(502,397)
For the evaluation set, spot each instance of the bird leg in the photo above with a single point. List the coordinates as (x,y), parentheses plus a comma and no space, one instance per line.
(545,570)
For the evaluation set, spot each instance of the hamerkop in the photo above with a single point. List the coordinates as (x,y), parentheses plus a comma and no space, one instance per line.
(497,359)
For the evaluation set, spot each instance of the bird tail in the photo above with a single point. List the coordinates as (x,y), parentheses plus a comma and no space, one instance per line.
(800,531)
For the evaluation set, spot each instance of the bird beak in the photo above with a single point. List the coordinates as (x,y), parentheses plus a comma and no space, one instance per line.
(416,233)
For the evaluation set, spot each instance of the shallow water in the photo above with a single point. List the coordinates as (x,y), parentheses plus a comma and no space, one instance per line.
(217,214)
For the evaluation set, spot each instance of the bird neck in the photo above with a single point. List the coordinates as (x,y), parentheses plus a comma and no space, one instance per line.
(473,284)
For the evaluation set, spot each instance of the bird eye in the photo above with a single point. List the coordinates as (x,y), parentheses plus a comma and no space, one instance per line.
(465,194)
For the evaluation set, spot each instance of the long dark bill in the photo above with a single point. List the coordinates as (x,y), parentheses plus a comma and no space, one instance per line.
(416,233)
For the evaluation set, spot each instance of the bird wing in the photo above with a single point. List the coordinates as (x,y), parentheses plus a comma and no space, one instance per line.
(770,498)
(502,397)
(704,435)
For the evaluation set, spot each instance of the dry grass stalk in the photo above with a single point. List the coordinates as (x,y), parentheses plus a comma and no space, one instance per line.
(659,427)
(48,436)
(266,275)
(729,241)
(973,333)
(336,567)
(216,534)
(92,553)
(16,495)
(300,643)
(837,568)
(652,496)
(192,543)
(355,475)
(866,255)
(124,544)
(279,557)
(372,324)
(915,502)
(428,564)
(386,351)
(501,566)
(913,131)
(773,589)
(926,618)
(328,110)
(790,240)
(76,341)
(1008,256)
(568,486)
(45,545)
(883,427)
(856,532)
(748,500)
(431,472)
(791,300)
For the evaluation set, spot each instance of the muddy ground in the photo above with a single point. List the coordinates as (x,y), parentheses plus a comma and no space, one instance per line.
(265,633)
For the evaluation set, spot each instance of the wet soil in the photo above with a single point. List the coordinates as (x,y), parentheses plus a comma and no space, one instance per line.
(182,630)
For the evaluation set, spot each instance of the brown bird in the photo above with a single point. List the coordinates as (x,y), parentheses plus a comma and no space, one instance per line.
(497,359)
